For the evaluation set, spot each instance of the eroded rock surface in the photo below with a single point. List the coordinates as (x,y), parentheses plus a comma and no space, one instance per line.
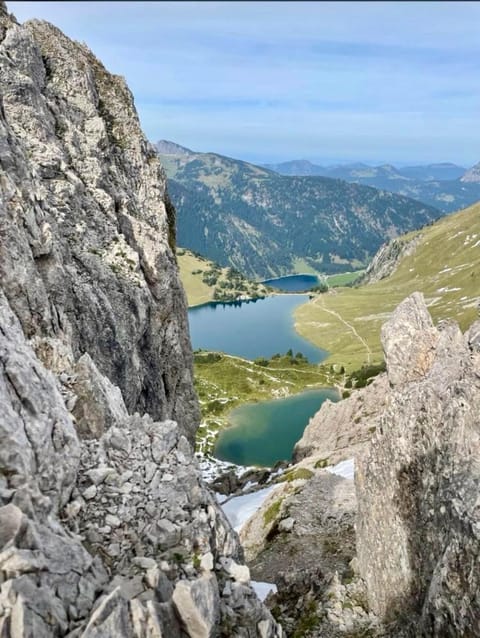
(412,529)
(340,430)
(87,253)
(106,527)
(418,484)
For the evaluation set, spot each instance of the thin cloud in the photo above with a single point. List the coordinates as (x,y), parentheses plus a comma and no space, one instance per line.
(277,80)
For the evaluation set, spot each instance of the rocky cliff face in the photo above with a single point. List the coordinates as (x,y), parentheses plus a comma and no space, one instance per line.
(415,434)
(472,175)
(339,430)
(386,260)
(106,528)
(87,254)
(418,484)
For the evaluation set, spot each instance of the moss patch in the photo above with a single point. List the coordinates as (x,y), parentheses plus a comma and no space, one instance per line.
(301,473)
(271,514)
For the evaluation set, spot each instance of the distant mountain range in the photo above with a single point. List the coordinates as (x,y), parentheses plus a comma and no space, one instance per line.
(359,170)
(445,186)
(265,224)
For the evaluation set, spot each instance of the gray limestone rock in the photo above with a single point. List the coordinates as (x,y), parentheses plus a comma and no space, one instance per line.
(339,430)
(418,484)
(416,508)
(409,340)
(92,264)
(387,259)
(99,403)
(96,533)
(196,603)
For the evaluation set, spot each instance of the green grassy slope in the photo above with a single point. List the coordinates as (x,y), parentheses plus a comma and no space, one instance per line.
(223,381)
(204,280)
(445,266)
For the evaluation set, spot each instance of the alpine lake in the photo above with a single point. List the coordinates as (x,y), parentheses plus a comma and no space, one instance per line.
(265,432)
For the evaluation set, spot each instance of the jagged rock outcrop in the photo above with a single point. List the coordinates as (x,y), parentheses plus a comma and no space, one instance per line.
(416,508)
(418,484)
(106,527)
(339,430)
(87,253)
(111,536)
(472,175)
(388,257)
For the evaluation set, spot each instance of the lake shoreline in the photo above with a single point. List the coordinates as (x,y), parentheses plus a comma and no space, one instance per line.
(288,428)
(256,373)
(249,299)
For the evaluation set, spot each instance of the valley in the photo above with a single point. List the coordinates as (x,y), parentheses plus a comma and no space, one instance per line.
(235,403)
(346,320)
(224,382)
(444,264)
(268,225)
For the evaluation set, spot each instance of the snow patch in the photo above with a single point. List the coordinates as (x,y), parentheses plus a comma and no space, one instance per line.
(344,468)
(447,289)
(263,589)
(239,508)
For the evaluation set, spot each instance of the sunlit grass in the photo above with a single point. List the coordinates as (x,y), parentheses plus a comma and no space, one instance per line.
(192,268)
(445,266)
(225,381)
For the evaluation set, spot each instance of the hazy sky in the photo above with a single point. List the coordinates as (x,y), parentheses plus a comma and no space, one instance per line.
(271,81)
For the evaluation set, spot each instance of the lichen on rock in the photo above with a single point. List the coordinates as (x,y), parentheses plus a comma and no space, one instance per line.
(106,526)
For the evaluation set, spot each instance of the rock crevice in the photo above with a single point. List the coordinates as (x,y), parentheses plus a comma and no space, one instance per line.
(106,527)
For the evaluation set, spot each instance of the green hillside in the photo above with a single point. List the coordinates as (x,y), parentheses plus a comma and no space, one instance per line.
(445,266)
(204,280)
(224,381)
(263,223)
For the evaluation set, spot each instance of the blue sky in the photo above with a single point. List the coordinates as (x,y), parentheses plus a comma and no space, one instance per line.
(272,81)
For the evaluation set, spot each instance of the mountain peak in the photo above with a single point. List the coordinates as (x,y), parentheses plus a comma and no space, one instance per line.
(472,175)
(165,147)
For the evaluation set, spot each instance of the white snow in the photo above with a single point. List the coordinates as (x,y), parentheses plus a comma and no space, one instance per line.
(211,468)
(447,289)
(239,509)
(344,468)
(263,589)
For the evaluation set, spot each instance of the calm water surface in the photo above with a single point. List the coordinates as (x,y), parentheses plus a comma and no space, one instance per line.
(293,283)
(266,432)
(252,329)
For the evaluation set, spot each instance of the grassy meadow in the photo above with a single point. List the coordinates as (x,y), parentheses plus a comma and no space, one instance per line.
(224,381)
(204,280)
(445,266)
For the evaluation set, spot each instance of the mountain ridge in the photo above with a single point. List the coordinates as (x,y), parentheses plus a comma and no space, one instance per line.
(443,185)
(448,277)
(265,225)
(106,526)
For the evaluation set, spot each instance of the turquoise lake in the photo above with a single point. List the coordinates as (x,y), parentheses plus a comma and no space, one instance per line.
(293,283)
(266,432)
(251,329)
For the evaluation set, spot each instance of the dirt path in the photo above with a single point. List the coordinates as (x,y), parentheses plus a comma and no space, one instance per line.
(352,329)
